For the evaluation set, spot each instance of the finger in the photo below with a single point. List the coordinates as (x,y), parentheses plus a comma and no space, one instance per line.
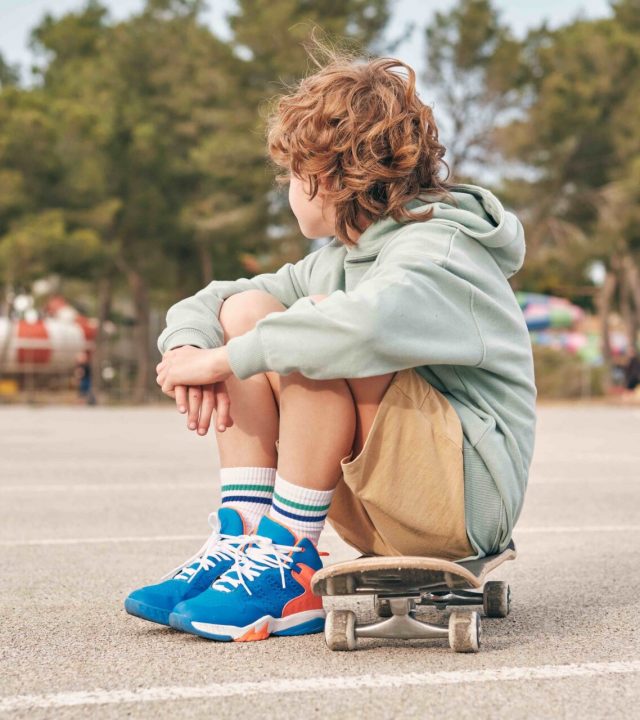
(195,399)
(181,398)
(206,409)
(223,405)
(167,387)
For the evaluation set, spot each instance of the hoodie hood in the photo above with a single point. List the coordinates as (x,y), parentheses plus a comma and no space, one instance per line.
(477,212)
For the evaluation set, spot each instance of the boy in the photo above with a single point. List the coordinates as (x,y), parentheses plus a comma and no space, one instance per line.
(391,370)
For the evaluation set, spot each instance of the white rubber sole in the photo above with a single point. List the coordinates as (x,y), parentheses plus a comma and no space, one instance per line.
(306,621)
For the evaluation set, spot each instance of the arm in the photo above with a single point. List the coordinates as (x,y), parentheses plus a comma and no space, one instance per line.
(194,320)
(409,311)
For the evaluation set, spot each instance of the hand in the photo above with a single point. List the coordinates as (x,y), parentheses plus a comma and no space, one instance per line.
(199,400)
(188,365)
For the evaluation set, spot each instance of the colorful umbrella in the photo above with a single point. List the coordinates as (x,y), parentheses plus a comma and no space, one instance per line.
(547,311)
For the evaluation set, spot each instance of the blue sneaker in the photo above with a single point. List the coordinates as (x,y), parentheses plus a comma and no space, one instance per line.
(155,602)
(266,592)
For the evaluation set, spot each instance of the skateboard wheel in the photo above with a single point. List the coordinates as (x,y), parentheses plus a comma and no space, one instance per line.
(340,630)
(382,608)
(496,599)
(464,631)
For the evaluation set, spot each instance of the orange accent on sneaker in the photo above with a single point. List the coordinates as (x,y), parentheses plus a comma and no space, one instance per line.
(255,633)
(306,601)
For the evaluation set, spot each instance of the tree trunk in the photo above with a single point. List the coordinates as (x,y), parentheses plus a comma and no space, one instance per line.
(8,302)
(105,290)
(141,303)
(206,264)
(140,298)
(632,277)
(626,306)
(604,302)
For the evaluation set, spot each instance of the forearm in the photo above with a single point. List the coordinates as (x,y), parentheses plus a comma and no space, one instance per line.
(195,320)
(360,334)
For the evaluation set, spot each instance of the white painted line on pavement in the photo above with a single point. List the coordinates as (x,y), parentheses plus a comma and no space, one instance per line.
(213,484)
(577,529)
(171,538)
(99,540)
(610,457)
(315,684)
(558,481)
(110,486)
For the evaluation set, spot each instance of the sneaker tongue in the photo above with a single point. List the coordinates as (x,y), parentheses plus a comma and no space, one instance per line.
(276,532)
(231,522)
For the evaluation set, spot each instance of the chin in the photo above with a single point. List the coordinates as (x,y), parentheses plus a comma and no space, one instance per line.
(312,233)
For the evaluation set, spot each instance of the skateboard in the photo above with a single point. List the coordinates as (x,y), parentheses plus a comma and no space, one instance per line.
(400,584)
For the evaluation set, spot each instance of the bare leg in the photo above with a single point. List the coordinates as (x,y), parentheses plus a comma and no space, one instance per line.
(250,441)
(319,421)
(317,425)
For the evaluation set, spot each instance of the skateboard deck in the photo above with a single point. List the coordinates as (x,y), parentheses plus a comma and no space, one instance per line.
(400,584)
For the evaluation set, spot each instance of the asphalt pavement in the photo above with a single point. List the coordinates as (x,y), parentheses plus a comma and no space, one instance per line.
(96,501)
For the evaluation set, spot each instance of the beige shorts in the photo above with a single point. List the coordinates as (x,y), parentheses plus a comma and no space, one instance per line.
(403,494)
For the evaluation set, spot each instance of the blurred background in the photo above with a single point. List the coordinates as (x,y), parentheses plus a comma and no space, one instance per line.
(133,170)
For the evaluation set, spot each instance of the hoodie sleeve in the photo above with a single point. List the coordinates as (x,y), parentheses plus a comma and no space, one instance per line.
(409,311)
(194,320)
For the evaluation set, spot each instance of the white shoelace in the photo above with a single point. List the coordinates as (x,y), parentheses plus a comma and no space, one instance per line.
(256,558)
(218,546)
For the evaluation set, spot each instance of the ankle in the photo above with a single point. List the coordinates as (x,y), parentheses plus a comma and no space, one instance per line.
(249,490)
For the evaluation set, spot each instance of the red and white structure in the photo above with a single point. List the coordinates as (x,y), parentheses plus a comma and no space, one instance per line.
(48,344)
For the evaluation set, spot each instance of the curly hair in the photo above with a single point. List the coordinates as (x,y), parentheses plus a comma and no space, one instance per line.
(360,128)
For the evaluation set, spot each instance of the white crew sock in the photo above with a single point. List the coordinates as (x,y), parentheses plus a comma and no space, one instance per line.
(249,490)
(301,509)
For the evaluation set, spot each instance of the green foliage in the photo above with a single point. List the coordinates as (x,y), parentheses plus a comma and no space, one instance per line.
(474,72)
(71,37)
(272,33)
(42,243)
(580,136)
(9,74)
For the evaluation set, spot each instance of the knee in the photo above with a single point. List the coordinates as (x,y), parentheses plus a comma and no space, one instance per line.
(241,311)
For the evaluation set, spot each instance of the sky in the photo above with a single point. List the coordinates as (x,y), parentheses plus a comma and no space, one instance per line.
(18,17)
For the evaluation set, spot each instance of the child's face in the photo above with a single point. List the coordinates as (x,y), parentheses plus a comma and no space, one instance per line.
(316,217)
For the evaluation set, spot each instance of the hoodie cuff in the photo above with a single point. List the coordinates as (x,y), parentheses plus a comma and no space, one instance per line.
(184,336)
(246,354)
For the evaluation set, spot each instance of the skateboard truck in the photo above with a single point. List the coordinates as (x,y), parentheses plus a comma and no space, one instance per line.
(401,623)
(400,584)
(342,629)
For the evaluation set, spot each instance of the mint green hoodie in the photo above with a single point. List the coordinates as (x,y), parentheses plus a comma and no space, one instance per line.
(431,295)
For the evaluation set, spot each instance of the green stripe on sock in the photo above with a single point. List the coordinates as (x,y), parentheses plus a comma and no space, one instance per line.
(255,488)
(300,506)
